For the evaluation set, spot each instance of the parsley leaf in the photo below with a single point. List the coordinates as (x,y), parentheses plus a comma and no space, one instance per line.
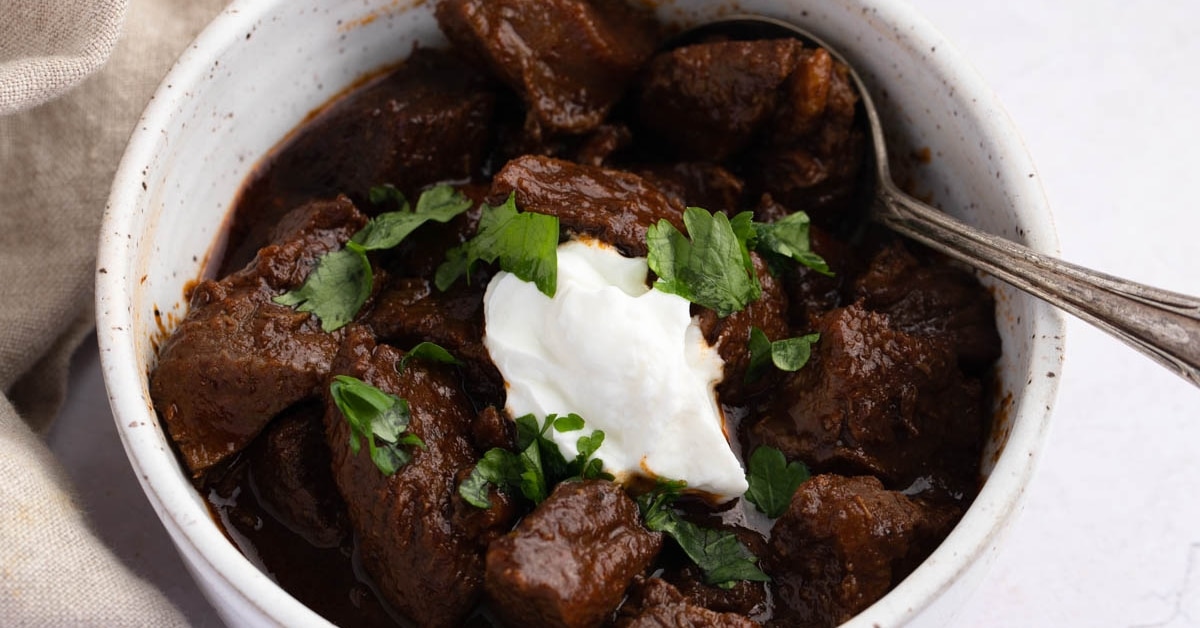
(341,281)
(721,557)
(335,288)
(525,243)
(789,354)
(538,465)
(498,467)
(713,268)
(386,194)
(374,415)
(428,351)
(773,481)
(788,237)
(550,460)
(440,203)
(569,423)
(533,482)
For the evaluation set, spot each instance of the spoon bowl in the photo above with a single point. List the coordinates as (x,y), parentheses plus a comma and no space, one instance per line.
(1162,325)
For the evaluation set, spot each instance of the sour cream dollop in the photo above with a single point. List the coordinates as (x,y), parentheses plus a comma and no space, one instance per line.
(628,359)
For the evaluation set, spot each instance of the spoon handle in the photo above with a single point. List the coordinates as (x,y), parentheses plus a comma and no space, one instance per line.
(1161,324)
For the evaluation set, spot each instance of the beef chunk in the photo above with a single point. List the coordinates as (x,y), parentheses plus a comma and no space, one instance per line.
(843,543)
(789,109)
(875,400)
(426,122)
(710,100)
(483,525)
(596,148)
(570,60)
(814,151)
(290,466)
(238,359)
(656,604)
(610,205)
(810,292)
(933,298)
(569,562)
(426,566)
(697,184)
(411,310)
(731,335)
(493,429)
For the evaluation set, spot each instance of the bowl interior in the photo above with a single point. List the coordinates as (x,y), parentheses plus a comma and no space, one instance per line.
(261,67)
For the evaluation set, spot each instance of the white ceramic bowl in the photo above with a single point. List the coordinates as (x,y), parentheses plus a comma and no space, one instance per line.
(255,72)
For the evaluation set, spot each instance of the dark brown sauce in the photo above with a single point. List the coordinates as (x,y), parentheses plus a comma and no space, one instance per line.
(269,193)
(323,579)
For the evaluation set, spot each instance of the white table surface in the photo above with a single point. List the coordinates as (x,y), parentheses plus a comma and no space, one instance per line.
(1107,96)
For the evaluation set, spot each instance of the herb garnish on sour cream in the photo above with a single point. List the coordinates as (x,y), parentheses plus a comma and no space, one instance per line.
(537,465)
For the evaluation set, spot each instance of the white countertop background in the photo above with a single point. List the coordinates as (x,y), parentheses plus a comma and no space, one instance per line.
(1107,96)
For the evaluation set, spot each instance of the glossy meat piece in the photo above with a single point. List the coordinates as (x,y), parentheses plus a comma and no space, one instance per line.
(697,184)
(238,359)
(811,293)
(875,400)
(596,148)
(656,604)
(814,151)
(610,205)
(424,564)
(570,60)
(412,310)
(843,543)
(290,466)
(710,100)
(493,428)
(483,525)
(933,298)
(426,122)
(731,335)
(569,562)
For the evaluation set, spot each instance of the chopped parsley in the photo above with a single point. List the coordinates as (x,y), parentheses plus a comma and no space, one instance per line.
(525,243)
(711,265)
(379,418)
(335,289)
(537,465)
(713,268)
(773,481)
(429,352)
(788,237)
(721,557)
(341,281)
(789,354)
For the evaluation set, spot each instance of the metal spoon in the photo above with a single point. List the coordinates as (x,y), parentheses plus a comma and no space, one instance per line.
(1161,324)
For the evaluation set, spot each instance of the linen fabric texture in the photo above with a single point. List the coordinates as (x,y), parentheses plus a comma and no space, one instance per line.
(65,116)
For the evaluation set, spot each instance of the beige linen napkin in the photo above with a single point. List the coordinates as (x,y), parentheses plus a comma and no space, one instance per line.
(58,154)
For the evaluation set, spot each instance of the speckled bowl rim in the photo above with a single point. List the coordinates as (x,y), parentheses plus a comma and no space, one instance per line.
(209,553)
